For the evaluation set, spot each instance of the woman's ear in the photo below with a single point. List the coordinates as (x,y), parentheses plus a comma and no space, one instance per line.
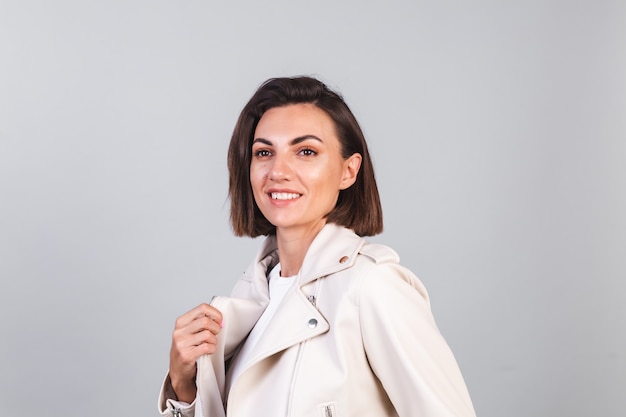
(351,168)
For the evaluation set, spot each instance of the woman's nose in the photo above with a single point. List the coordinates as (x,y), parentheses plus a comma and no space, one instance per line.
(281,169)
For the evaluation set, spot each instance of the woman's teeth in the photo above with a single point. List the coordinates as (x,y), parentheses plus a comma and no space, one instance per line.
(284,196)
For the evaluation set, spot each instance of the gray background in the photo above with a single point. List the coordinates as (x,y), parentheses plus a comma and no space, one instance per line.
(498,131)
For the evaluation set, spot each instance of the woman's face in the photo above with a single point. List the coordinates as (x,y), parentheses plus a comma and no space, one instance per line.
(297,169)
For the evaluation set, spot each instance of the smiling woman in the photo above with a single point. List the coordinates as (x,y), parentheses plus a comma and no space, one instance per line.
(297,172)
(322,323)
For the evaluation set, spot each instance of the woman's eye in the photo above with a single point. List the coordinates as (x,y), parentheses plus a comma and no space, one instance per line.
(261,153)
(308,152)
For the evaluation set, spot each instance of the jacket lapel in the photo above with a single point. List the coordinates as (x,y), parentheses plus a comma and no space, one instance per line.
(334,249)
(295,321)
(211,376)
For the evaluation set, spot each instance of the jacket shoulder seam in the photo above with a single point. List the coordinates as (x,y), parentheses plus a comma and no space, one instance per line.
(379,253)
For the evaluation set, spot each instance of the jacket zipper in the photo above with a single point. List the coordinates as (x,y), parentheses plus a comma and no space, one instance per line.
(328,412)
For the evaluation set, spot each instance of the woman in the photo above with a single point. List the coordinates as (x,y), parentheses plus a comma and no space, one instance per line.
(322,323)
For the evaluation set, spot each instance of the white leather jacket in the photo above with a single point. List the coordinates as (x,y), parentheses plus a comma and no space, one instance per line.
(366,341)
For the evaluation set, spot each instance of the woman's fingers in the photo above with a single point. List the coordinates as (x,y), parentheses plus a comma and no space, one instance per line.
(203,310)
(200,324)
(186,344)
(194,336)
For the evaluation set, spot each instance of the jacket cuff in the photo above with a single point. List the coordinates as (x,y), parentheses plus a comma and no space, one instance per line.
(169,406)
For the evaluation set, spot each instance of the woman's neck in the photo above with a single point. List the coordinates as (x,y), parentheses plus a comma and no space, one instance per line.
(293,246)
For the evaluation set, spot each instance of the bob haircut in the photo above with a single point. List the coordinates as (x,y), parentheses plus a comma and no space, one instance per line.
(358,207)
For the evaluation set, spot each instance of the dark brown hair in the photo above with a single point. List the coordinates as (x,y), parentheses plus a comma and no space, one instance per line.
(358,207)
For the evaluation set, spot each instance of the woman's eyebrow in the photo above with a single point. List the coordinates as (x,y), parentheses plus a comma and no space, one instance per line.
(294,141)
(300,139)
(264,141)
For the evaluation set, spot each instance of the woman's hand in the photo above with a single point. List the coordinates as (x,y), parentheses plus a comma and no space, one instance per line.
(194,335)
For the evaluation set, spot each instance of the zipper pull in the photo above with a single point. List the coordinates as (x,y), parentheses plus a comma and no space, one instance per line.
(311,299)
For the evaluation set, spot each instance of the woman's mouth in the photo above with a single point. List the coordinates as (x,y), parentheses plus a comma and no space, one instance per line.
(284,196)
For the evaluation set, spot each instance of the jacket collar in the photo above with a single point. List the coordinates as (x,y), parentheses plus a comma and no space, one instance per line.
(334,248)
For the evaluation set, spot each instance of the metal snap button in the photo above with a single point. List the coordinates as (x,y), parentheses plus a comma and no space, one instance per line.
(313,323)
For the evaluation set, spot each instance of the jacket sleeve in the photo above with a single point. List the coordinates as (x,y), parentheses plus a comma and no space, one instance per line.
(169,407)
(406,350)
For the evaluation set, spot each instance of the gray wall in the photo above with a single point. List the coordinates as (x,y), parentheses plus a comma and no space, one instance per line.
(498,130)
